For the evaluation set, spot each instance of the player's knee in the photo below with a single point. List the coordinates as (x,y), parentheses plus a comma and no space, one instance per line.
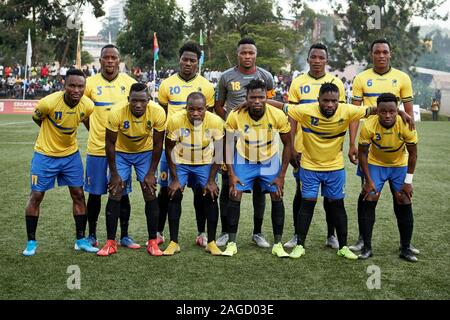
(401,198)
(77,195)
(36,198)
(148,196)
(177,197)
(275,197)
(236,197)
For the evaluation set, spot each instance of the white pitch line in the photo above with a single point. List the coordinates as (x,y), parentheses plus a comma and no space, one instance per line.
(16,142)
(12,123)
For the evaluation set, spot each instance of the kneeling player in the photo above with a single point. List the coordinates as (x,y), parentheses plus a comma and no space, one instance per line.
(257,124)
(193,137)
(134,137)
(385,138)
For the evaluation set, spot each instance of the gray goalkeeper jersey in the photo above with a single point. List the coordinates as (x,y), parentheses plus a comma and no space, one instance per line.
(232,82)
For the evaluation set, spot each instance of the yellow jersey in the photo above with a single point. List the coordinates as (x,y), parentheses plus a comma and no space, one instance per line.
(387,146)
(257,140)
(368,85)
(323,137)
(57,135)
(105,95)
(305,89)
(136,134)
(173,92)
(194,144)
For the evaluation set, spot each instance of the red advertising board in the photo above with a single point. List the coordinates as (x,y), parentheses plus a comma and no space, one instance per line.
(17,106)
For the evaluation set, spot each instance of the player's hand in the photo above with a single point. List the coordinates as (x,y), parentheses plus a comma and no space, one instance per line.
(211,189)
(150,183)
(174,186)
(353,154)
(369,189)
(407,190)
(407,119)
(234,181)
(115,185)
(295,159)
(279,182)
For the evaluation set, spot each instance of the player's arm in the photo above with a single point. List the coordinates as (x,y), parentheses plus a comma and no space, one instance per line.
(353,131)
(369,186)
(40,112)
(407,187)
(285,159)
(408,115)
(86,123)
(115,184)
(175,184)
(221,95)
(37,120)
(295,156)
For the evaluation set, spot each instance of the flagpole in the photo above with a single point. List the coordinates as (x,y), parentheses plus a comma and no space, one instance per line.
(27,62)
(202,56)
(154,80)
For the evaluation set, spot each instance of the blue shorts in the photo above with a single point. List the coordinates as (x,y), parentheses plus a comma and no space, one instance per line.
(163,179)
(96,179)
(332,183)
(125,161)
(44,170)
(248,172)
(192,175)
(395,175)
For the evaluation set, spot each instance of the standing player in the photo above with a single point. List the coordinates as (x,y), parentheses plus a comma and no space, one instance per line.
(256,160)
(386,138)
(324,126)
(106,89)
(367,86)
(56,156)
(194,136)
(231,93)
(172,96)
(134,138)
(305,89)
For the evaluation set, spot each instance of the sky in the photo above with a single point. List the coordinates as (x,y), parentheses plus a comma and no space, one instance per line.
(95,24)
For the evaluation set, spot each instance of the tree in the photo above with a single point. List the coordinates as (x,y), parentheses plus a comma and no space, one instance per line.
(86,58)
(207,15)
(47,20)
(111,26)
(355,32)
(144,17)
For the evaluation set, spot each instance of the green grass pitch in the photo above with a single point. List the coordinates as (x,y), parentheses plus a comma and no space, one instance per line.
(253,273)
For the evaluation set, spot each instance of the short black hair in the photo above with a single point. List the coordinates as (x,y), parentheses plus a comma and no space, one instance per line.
(138,87)
(380,41)
(246,41)
(320,46)
(191,46)
(108,46)
(75,72)
(195,96)
(328,87)
(387,97)
(256,84)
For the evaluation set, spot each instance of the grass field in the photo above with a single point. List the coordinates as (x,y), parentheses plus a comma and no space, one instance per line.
(253,273)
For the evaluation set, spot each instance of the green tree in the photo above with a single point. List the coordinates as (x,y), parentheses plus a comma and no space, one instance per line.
(354,35)
(47,20)
(110,25)
(144,18)
(206,15)
(86,58)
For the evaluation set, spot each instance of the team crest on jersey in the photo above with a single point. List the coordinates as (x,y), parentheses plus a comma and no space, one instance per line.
(185,132)
(246,127)
(122,89)
(199,89)
(270,126)
(81,114)
(394,83)
(149,124)
(341,121)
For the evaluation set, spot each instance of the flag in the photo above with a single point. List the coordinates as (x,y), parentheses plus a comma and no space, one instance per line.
(78,60)
(202,57)
(29,50)
(155,47)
